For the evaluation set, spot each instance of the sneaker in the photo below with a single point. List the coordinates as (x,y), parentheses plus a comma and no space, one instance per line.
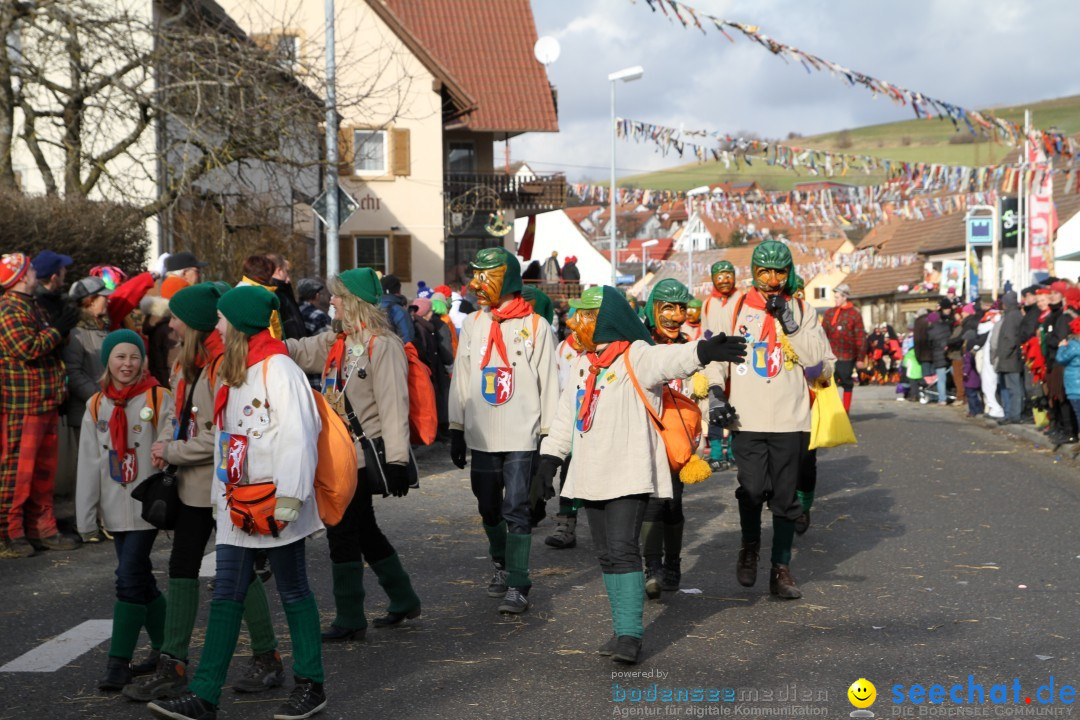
(264,672)
(652,582)
(306,699)
(564,536)
(147,666)
(17,548)
(497,584)
(56,542)
(169,680)
(117,675)
(514,602)
(188,706)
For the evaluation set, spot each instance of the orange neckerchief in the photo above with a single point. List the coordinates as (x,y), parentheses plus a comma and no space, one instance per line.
(596,364)
(516,308)
(756,300)
(260,347)
(118,426)
(335,357)
(215,348)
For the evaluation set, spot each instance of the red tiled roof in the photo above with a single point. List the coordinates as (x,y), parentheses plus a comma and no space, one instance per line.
(577,214)
(875,282)
(488,47)
(633,251)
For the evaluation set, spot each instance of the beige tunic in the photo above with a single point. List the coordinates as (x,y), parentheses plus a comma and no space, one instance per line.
(194,457)
(377,386)
(622,453)
(713,309)
(516,424)
(94,487)
(780,403)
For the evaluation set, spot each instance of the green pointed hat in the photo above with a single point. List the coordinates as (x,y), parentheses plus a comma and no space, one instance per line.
(667,290)
(694,303)
(722,266)
(775,255)
(490,258)
(542,303)
(799,282)
(616,319)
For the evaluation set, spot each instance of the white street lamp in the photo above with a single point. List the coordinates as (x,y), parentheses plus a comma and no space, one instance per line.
(626,75)
(645,256)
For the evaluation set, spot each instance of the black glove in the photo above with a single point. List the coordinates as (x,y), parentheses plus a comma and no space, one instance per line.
(721,413)
(68,318)
(722,348)
(543,479)
(458,448)
(781,310)
(397,479)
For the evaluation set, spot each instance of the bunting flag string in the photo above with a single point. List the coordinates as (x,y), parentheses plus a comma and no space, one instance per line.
(923,105)
(915,176)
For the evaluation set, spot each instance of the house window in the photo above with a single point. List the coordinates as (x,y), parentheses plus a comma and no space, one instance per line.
(820,293)
(462,158)
(370,149)
(370,252)
(288,49)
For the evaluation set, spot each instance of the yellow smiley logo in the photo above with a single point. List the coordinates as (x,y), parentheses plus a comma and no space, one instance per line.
(862,693)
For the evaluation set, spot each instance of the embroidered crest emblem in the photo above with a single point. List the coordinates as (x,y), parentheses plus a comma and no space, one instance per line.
(497,384)
(584,423)
(767,364)
(233,452)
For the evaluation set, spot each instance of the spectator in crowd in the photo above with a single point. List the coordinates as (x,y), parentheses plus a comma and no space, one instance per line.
(51,269)
(181,270)
(259,271)
(844,327)
(1007,360)
(987,338)
(393,303)
(160,338)
(954,347)
(939,334)
(1068,356)
(435,351)
(31,391)
(292,320)
(570,272)
(82,353)
(552,272)
(972,379)
(314,305)
(448,333)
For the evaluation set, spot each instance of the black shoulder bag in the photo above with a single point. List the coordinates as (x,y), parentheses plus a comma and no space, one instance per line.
(375,457)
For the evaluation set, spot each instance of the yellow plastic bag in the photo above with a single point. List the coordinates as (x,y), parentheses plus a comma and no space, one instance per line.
(830,426)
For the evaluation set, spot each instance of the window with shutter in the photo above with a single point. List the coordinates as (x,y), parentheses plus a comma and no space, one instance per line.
(402,159)
(369,148)
(346,151)
(401,257)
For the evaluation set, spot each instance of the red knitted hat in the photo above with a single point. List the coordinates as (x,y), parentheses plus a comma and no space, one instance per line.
(13,268)
(1074,326)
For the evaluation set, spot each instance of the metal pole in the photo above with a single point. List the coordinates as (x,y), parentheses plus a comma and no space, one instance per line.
(690,266)
(614,263)
(995,252)
(332,244)
(1022,208)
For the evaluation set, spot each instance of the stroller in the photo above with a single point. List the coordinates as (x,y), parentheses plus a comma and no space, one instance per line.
(928,392)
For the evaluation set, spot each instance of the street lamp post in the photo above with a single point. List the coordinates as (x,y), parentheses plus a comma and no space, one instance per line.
(626,75)
(645,256)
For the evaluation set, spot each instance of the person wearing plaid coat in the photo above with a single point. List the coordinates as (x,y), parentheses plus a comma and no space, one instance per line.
(31,391)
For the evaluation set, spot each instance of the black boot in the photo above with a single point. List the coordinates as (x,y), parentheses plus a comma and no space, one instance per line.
(608,648)
(782,584)
(147,666)
(654,578)
(627,649)
(746,568)
(117,675)
(336,633)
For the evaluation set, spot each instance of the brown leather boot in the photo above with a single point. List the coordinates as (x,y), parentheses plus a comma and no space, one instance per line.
(746,568)
(782,584)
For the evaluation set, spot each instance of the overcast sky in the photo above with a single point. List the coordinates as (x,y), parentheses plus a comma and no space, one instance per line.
(973,53)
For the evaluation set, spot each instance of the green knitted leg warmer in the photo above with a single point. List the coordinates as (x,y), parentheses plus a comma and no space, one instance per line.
(128,620)
(630,589)
(806,499)
(303,617)
(517,560)
(222,631)
(613,599)
(156,612)
(395,581)
(180,617)
(349,595)
(783,533)
(496,535)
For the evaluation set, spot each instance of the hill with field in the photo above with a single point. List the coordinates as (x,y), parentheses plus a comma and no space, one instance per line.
(930,140)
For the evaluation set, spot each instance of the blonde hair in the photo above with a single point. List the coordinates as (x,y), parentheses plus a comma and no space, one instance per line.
(233,371)
(192,353)
(357,313)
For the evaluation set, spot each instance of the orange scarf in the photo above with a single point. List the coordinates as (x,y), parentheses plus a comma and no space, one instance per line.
(516,308)
(215,348)
(596,364)
(118,426)
(756,300)
(260,347)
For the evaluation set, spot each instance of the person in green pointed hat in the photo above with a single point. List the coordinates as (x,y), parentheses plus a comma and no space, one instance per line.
(503,396)
(692,329)
(770,433)
(720,301)
(619,457)
(665,310)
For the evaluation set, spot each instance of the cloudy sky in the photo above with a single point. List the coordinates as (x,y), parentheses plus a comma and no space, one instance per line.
(973,53)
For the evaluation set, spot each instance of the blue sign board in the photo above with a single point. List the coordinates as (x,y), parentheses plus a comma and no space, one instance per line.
(980,230)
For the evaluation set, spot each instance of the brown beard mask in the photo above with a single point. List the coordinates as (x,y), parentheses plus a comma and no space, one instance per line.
(693,315)
(487,284)
(582,326)
(770,280)
(724,282)
(668,319)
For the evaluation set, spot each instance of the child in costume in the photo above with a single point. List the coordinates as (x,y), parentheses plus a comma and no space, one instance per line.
(719,302)
(265,453)
(565,537)
(118,428)
(364,373)
(772,433)
(619,455)
(186,441)
(503,397)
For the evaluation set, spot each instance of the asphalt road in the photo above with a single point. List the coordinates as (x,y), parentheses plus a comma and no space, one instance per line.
(940,550)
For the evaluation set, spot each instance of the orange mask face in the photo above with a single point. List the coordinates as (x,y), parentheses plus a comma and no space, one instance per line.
(770,280)
(487,284)
(668,318)
(693,315)
(582,326)
(724,282)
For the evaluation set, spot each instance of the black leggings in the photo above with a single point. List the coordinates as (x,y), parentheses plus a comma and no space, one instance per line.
(616,526)
(808,472)
(667,510)
(193,528)
(358,536)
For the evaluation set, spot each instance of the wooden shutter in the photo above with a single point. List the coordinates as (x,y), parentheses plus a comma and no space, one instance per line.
(346,151)
(401,257)
(399,146)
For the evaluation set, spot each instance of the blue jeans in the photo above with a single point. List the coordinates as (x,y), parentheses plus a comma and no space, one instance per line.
(942,384)
(500,482)
(974,401)
(1013,395)
(236,570)
(134,572)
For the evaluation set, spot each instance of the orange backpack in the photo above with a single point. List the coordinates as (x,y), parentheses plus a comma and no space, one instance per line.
(423,413)
(679,421)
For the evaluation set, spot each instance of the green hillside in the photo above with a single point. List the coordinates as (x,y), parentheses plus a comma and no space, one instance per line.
(911,140)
